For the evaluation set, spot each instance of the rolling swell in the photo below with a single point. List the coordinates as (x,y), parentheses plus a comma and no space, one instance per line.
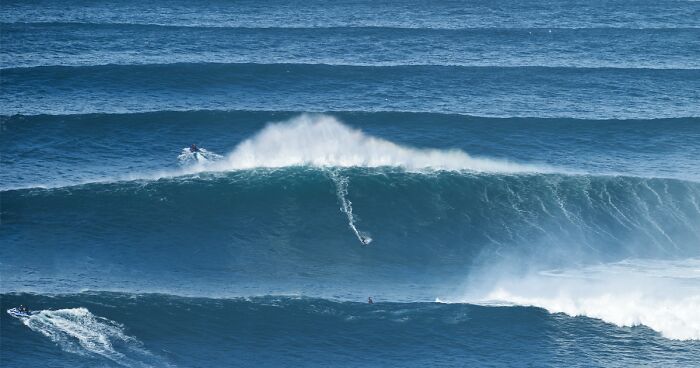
(412,14)
(490,91)
(35,44)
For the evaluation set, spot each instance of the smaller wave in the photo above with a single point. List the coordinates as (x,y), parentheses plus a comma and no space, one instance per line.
(78,331)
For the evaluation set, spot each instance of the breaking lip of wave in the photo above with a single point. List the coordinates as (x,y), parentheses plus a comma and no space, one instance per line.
(318,140)
(663,295)
(321,141)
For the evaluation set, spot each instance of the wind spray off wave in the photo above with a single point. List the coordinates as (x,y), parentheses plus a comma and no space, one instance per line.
(323,141)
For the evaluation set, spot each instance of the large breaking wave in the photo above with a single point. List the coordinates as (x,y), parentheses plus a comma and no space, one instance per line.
(281,202)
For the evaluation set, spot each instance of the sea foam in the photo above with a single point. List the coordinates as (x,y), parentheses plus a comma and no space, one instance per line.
(662,295)
(319,140)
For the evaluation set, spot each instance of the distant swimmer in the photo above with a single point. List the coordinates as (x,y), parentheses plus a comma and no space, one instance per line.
(370,301)
(194,148)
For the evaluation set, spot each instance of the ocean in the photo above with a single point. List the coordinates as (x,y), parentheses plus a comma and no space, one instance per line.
(513,184)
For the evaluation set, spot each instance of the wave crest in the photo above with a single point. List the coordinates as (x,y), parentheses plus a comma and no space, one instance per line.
(322,141)
(78,331)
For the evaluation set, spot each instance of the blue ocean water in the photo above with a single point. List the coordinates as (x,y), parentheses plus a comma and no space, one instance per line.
(513,183)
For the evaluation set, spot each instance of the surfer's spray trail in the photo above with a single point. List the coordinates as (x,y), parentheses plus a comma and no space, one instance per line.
(341,188)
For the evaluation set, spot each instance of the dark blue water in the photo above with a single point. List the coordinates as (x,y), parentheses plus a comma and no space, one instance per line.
(513,184)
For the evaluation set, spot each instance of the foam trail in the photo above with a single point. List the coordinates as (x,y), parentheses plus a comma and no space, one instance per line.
(81,332)
(322,141)
(662,295)
(341,186)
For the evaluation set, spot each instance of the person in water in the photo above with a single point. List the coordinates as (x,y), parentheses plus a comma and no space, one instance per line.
(194,148)
(370,301)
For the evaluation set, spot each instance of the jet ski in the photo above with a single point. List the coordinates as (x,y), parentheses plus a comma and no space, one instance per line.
(194,155)
(18,313)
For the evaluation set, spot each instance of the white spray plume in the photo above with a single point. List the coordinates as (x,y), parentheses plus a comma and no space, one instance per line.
(322,141)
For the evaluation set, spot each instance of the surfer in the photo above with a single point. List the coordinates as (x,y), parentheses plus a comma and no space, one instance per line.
(194,148)
(370,301)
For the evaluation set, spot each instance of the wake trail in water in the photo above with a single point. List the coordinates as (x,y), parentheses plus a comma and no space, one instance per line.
(341,187)
(322,141)
(80,332)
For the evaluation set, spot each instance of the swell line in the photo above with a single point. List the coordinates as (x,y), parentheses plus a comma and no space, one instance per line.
(341,27)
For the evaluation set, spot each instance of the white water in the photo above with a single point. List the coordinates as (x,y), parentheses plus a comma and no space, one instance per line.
(662,295)
(323,141)
(202,156)
(78,331)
